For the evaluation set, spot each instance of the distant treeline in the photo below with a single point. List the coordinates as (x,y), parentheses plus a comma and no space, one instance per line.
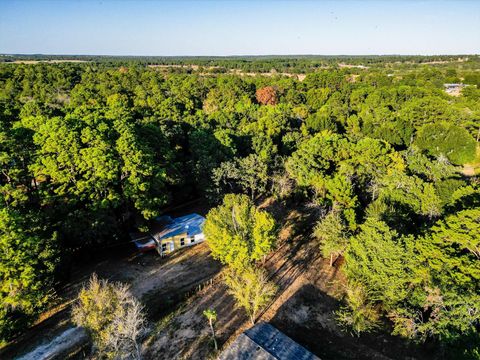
(264,63)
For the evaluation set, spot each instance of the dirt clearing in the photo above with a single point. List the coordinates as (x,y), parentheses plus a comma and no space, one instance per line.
(158,282)
(309,293)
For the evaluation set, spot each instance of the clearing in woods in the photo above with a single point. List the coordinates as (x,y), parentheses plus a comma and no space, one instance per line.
(159,283)
(176,290)
(309,293)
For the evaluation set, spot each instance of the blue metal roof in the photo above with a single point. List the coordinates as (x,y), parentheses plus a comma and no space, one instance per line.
(190,224)
(264,342)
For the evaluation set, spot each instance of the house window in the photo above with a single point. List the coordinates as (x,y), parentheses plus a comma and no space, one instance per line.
(182,242)
(192,239)
(164,247)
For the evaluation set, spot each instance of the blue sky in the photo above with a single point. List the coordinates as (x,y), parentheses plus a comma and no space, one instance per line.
(229,27)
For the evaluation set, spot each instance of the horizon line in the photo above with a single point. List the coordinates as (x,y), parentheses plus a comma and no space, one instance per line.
(239,55)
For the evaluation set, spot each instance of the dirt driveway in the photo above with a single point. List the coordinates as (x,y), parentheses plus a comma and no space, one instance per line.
(309,293)
(158,282)
(177,290)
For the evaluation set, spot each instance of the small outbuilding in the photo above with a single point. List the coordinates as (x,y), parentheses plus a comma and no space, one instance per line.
(167,234)
(264,342)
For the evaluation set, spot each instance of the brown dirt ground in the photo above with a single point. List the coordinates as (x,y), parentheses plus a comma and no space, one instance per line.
(159,283)
(177,290)
(309,293)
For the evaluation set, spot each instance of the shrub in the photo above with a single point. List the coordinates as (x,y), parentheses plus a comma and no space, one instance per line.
(251,289)
(360,315)
(113,318)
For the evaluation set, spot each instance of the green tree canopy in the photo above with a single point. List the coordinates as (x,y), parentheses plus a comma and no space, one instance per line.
(238,233)
(448,140)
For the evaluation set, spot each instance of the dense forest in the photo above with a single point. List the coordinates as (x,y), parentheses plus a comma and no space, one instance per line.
(387,160)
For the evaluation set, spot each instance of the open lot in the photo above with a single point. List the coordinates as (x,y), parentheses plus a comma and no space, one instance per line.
(309,293)
(159,282)
(176,290)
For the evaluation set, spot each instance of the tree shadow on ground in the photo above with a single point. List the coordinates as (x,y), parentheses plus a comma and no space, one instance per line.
(187,335)
(308,318)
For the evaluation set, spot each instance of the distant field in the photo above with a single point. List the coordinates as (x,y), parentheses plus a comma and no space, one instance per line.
(238,72)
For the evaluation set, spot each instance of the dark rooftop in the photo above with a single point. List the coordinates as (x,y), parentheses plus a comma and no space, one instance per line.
(264,342)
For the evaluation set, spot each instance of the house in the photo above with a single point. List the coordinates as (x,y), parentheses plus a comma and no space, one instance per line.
(264,342)
(168,234)
(454,89)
